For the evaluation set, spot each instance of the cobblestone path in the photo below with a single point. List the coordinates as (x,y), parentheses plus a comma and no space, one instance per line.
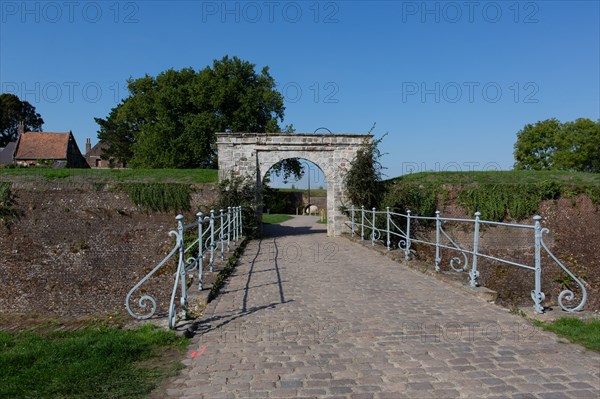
(306,316)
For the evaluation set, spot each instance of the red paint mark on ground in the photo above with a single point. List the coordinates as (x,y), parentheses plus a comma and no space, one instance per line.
(195,354)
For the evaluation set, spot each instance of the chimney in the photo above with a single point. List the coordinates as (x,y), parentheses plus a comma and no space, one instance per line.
(88,146)
(21,129)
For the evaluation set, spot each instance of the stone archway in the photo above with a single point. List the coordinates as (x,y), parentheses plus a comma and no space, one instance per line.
(253,154)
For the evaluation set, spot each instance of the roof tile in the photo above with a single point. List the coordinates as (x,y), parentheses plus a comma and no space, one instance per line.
(43,145)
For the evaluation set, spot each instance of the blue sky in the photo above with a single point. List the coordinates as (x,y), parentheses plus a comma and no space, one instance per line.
(450,82)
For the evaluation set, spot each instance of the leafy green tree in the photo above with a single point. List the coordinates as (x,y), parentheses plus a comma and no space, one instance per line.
(536,144)
(12,112)
(169,121)
(363,181)
(119,134)
(288,168)
(551,144)
(578,146)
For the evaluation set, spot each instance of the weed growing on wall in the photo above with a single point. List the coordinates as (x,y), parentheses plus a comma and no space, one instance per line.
(7,212)
(517,201)
(421,200)
(159,197)
(492,194)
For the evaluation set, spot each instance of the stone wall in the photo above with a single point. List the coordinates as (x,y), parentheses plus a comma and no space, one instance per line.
(253,154)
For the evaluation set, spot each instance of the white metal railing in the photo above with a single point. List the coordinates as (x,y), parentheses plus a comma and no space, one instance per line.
(215,233)
(369,221)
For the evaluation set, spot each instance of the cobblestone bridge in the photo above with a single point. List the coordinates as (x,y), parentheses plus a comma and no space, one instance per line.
(307,316)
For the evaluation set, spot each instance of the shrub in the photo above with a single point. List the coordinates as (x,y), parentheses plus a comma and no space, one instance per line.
(363,181)
(238,191)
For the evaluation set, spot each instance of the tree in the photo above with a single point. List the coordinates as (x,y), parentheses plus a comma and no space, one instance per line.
(363,181)
(169,121)
(551,144)
(12,112)
(578,146)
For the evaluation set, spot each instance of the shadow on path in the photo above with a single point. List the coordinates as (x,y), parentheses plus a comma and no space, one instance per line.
(206,324)
(278,230)
(281,296)
(252,264)
(270,262)
(251,271)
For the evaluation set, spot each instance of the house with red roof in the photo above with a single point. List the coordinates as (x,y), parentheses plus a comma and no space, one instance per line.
(48,149)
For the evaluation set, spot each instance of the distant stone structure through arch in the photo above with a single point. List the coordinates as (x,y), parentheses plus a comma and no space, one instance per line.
(253,154)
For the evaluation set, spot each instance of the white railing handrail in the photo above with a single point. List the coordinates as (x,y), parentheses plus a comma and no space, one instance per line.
(208,240)
(368,221)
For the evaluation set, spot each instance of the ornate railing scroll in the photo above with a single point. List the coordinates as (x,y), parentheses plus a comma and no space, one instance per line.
(403,238)
(208,241)
(144,299)
(367,222)
(570,296)
(443,240)
(439,232)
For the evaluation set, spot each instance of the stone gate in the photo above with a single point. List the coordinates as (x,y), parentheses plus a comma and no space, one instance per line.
(253,154)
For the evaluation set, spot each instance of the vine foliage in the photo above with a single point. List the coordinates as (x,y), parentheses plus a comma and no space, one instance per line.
(364,185)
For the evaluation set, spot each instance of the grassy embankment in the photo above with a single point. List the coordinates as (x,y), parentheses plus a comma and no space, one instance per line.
(94,362)
(497,195)
(583,332)
(189,176)
(501,177)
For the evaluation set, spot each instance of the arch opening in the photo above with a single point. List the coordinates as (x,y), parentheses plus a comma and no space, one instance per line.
(293,195)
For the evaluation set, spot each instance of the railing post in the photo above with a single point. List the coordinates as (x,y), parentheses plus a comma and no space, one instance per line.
(235,237)
(228,226)
(373,230)
(438,226)
(200,249)
(241,222)
(362,228)
(474,273)
(181,267)
(352,210)
(212,239)
(221,234)
(387,209)
(407,247)
(537,295)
